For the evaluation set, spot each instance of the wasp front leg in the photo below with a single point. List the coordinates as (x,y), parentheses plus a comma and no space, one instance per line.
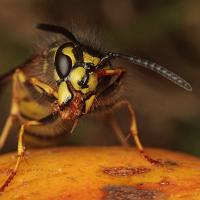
(119,72)
(46,88)
(135,135)
(133,128)
(121,137)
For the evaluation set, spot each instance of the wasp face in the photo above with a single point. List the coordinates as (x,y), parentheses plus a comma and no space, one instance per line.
(76,71)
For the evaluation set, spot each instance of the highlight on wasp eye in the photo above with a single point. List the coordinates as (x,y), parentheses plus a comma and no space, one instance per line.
(76,90)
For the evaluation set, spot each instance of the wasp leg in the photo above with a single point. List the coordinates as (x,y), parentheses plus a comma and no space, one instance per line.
(19,77)
(14,112)
(7,127)
(20,153)
(121,137)
(134,133)
(120,73)
(47,89)
(22,78)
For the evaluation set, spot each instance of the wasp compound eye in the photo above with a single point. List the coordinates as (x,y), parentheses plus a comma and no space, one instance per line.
(63,65)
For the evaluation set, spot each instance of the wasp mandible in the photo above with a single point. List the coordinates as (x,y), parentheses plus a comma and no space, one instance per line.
(73,77)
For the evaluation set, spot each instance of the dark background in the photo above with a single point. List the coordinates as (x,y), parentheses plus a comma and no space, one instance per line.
(167,32)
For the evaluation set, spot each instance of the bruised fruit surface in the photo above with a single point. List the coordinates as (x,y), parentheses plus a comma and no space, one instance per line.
(101,173)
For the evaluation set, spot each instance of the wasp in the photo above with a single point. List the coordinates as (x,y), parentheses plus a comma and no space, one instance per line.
(72,77)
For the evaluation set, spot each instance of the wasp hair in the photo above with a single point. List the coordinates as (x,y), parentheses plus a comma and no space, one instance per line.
(60,30)
(150,65)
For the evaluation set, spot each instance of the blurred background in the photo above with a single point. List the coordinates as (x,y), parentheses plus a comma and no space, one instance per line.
(167,32)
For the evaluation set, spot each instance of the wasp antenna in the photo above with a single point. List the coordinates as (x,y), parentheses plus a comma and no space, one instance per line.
(162,71)
(154,67)
(58,29)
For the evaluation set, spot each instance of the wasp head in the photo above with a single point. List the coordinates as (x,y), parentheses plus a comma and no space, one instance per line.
(80,69)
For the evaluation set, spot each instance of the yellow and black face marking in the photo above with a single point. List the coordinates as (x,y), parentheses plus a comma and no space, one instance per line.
(75,67)
(52,92)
